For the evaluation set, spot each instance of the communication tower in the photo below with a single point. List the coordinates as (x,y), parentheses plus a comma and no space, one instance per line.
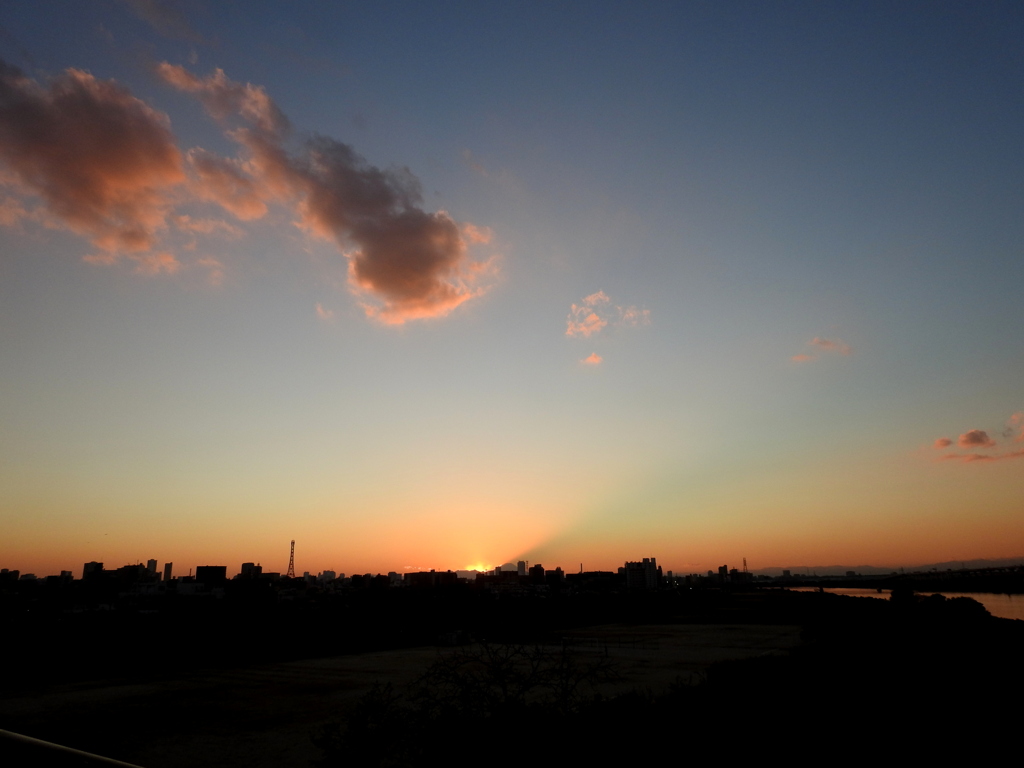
(291,562)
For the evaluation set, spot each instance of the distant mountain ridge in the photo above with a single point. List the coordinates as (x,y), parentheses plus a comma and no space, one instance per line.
(876,570)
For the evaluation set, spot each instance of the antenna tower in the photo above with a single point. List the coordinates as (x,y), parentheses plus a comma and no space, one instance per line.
(291,562)
(744,565)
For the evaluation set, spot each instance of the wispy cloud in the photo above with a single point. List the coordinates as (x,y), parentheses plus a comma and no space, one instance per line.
(165,17)
(968,458)
(592,359)
(831,345)
(942,442)
(323,313)
(803,358)
(224,98)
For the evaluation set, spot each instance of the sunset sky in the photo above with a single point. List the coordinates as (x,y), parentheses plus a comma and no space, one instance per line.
(439,285)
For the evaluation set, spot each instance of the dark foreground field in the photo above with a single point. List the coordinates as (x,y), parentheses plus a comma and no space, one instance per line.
(740,671)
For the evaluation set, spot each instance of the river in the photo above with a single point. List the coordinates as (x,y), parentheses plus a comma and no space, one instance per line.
(1003,606)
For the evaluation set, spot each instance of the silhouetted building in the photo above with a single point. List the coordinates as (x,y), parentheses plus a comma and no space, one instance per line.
(92,570)
(521,567)
(168,570)
(151,567)
(212,574)
(251,571)
(643,575)
(432,579)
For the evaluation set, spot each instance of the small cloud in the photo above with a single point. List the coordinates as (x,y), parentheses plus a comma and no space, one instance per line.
(633,317)
(831,345)
(1015,424)
(943,442)
(323,313)
(822,345)
(975,438)
(592,359)
(474,165)
(596,311)
(587,326)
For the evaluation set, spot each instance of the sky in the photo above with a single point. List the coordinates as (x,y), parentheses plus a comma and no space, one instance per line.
(451,284)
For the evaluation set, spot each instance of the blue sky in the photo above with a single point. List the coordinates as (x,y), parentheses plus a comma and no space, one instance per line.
(805,218)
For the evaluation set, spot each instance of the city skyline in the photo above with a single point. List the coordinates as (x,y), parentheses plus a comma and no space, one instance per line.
(458,285)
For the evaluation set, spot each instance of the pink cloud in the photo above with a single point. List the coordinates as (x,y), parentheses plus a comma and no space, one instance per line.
(592,359)
(224,181)
(103,162)
(225,98)
(323,313)
(942,442)
(406,263)
(474,234)
(595,312)
(585,327)
(975,438)
(803,358)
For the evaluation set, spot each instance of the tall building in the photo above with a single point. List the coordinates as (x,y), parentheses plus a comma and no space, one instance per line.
(168,569)
(521,567)
(643,575)
(151,567)
(92,569)
(251,570)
